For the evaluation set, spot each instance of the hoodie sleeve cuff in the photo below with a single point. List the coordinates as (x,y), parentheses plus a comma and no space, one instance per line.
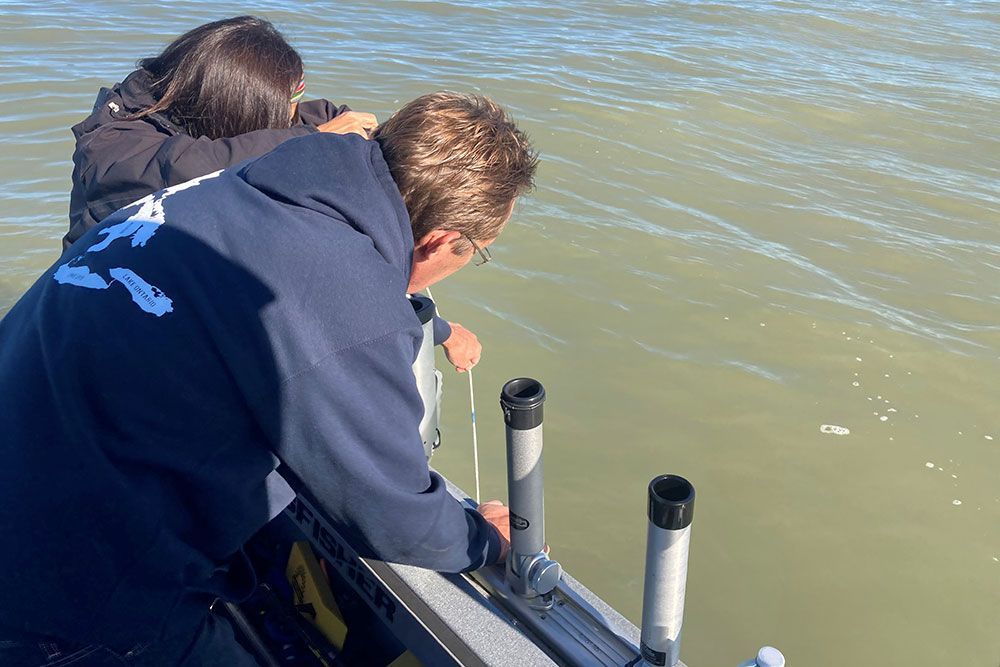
(442,330)
(317,112)
(493,547)
(482,553)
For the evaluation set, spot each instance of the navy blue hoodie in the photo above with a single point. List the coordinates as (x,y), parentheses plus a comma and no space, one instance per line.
(156,374)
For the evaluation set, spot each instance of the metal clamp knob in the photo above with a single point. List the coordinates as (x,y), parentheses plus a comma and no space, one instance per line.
(544,574)
(768,656)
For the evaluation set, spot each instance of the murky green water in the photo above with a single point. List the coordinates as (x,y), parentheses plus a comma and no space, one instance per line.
(752,219)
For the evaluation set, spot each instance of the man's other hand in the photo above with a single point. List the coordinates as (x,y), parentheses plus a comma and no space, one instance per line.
(462,348)
(498,515)
(359,123)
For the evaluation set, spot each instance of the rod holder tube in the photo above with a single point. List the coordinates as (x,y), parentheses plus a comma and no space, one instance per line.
(670,512)
(530,572)
(428,379)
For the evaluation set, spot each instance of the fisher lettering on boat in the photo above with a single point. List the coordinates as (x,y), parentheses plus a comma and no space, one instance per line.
(341,556)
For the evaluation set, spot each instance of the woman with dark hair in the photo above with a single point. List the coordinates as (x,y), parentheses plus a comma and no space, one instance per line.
(219,94)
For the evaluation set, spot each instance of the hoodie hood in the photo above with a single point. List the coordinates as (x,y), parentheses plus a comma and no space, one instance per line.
(122,102)
(344,178)
(135,91)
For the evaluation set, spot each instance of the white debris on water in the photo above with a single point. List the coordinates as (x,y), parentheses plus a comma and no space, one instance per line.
(988,437)
(956,502)
(883,418)
(833,429)
(929,464)
(856,383)
(857,358)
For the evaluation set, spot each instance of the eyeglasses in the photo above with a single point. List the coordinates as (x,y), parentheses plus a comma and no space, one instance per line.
(484,253)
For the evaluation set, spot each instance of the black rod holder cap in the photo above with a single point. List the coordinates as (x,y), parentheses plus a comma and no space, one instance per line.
(423,307)
(521,400)
(671,502)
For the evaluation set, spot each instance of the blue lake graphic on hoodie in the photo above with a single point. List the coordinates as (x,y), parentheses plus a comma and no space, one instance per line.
(139,228)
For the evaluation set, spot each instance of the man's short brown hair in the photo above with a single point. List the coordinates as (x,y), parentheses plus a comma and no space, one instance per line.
(459,162)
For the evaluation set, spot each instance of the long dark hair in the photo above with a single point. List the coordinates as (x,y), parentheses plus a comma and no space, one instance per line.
(225,78)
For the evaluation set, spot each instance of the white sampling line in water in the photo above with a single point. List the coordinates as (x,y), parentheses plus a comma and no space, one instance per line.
(472,405)
(475,439)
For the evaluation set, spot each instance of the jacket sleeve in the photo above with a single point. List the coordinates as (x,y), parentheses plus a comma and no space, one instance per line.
(350,433)
(126,160)
(317,112)
(181,157)
(442,330)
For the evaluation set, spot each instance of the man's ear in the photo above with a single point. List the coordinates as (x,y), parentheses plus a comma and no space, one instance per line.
(434,242)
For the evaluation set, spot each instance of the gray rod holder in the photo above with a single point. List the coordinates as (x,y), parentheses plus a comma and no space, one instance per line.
(670,512)
(428,379)
(530,572)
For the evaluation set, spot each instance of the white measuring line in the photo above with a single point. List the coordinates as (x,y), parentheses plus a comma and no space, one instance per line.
(472,403)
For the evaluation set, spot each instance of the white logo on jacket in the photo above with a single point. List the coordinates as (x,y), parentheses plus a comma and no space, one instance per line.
(139,228)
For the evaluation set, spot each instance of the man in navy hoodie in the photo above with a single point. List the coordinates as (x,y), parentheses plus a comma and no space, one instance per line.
(155,376)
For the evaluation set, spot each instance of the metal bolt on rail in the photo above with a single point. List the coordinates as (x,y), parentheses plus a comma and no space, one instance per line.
(767,656)
(530,572)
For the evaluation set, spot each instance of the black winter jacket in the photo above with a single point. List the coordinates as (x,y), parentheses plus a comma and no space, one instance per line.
(119,160)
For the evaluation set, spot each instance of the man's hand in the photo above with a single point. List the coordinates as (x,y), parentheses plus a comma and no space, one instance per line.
(498,515)
(359,123)
(462,348)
